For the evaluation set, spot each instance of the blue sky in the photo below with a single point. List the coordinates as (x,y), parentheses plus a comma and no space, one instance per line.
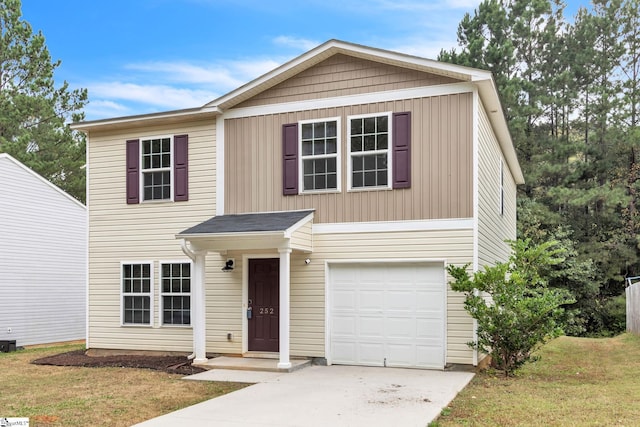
(144,56)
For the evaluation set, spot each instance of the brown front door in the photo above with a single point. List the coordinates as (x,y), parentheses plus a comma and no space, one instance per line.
(264,303)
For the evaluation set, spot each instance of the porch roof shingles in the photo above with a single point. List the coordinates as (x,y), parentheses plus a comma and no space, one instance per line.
(248,223)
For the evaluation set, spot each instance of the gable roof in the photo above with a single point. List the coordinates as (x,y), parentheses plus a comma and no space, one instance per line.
(248,223)
(38,177)
(481,78)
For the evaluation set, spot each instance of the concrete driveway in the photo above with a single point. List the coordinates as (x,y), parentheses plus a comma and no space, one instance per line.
(324,396)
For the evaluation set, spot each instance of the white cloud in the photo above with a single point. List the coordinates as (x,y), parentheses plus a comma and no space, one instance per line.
(105,108)
(164,96)
(296,42)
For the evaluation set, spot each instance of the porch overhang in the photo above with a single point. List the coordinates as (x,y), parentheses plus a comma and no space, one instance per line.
(268,230)
(283,231)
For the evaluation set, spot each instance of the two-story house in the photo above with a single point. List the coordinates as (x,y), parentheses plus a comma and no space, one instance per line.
(309,213)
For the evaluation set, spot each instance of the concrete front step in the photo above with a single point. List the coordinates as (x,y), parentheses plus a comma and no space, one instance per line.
(251,364)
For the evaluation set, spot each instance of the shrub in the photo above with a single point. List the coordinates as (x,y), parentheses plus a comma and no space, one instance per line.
(515,310)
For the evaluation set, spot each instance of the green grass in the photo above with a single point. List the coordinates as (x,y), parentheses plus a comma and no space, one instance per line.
(576,382)
(77,396)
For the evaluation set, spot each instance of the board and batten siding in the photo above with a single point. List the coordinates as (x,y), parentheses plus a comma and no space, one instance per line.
(494,227)
(146,231)
(43,259)
(343,75)
(441,165)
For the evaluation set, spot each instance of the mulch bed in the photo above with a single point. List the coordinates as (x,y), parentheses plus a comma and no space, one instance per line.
(171,364)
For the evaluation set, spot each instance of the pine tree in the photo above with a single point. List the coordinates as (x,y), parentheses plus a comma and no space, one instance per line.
(33,111)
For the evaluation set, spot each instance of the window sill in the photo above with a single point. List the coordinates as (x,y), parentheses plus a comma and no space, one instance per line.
(332,191)
(364,189)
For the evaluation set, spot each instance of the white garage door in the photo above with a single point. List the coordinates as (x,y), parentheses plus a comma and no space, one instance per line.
(387,314)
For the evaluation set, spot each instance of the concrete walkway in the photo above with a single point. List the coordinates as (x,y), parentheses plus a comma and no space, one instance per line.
(323,396)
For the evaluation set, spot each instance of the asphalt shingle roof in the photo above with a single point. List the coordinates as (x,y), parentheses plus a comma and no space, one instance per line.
(244,223)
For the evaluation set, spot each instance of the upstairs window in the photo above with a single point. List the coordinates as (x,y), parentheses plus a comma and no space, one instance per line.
(378,148)
(320,144)
(369,151)
(156,169)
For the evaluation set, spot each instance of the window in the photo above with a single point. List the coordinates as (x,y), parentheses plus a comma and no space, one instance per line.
(319,144)
(369,142)
(379,149)
(136,293)
(156,169)
(175,292)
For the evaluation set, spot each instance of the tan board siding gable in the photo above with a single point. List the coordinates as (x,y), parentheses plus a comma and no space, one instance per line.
(343,75)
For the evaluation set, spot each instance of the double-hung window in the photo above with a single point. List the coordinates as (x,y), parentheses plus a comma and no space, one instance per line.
(137,293)
(319,148)
(369,151)
(175,292)
(156,169)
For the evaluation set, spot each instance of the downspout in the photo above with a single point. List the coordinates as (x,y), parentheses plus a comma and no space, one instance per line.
(188,252)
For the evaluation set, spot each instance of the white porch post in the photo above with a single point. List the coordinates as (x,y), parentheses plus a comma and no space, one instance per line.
(198,305)
(285,286)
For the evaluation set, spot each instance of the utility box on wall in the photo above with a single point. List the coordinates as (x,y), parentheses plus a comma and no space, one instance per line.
(7,345)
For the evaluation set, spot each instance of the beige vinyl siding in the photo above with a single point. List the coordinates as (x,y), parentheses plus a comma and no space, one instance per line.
(143,232)
(441,163)
(302,238)
(343,75)
(493,228)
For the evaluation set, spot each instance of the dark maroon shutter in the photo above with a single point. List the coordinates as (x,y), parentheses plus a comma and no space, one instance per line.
(290,159)
(133,171)
(402,150)
(181,168)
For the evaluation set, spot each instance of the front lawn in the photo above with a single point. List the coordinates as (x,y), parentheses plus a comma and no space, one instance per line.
(577,382)
(79,396)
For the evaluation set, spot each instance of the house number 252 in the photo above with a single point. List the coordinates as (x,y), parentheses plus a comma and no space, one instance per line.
(266,310)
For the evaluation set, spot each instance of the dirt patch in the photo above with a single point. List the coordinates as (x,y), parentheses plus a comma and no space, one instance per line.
(171,364)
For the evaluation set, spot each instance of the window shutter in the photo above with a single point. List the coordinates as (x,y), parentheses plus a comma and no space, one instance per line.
(181,168)
(290,159)
(402,150)
(133,171)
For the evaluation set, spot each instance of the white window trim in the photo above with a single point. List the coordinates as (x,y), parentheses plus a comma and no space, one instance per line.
(162,294)
(166,169)
(338,156)
(388,152)
(149,294)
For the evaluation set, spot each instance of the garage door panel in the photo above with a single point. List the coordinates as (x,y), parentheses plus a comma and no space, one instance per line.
(371,327)
(344,299)
(370,300)
(370,353)
(401,300)
(429,328)
(396,314)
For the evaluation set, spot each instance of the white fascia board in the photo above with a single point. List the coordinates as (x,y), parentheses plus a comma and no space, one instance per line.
(491,101)
(289,231)
(236,235)
(394,226)
(142,118)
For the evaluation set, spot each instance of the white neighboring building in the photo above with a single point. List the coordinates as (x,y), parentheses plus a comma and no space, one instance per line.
(43,259)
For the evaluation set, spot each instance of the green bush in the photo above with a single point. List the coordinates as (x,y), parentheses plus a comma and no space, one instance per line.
(515,310)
